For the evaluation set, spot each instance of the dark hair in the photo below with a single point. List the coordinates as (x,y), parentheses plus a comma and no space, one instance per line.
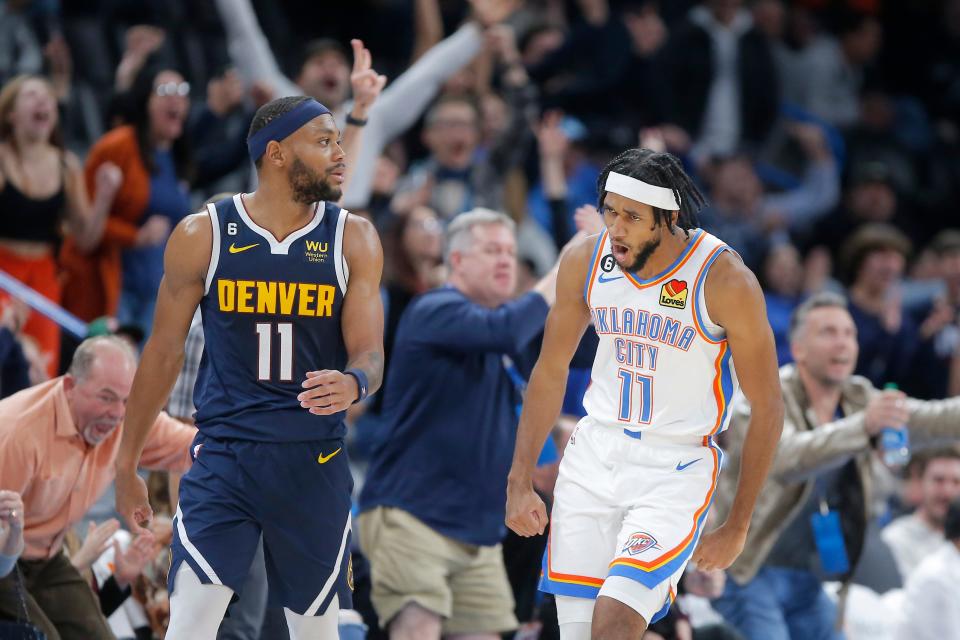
(951,525)
(399,266)
(924,458)
(661,170)
(534,31)
(442,101)
(871,238)
(271,111)
(321,46)
(137,114)
(847,20)
(946,242)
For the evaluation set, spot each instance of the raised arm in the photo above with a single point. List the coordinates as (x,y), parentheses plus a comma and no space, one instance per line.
(366,85)
(86,219)
(404,101)
(568,319)
(735,302)
(185,268)
(250,50)
(329,392)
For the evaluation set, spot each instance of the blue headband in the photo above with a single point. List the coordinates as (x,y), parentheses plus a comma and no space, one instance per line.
(279,128)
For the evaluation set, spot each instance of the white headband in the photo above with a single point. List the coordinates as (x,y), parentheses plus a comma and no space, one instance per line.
(638,190)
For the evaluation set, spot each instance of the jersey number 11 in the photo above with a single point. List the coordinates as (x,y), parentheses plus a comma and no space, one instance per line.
(645,383)
(265,349)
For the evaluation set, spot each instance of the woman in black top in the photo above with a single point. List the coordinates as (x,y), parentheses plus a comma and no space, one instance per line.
(42,197)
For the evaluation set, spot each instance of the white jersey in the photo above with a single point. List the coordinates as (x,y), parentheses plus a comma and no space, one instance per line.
(662,365)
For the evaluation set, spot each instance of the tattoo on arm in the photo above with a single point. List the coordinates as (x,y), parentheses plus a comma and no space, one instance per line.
(371,363)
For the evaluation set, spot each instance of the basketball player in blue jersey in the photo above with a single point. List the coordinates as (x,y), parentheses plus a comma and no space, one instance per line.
(681,323)
(288,288)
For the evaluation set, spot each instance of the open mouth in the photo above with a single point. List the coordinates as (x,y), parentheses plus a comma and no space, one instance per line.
(620,251)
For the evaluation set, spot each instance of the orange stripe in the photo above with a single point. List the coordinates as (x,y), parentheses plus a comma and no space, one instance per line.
(677,550)
(596,264)
(586,581)
(696,295)
(718,387)
(690,252)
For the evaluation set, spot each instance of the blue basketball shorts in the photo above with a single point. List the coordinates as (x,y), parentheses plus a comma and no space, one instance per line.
(296,495)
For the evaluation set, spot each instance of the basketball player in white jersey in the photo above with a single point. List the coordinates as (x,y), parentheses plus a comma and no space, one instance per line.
(682,326)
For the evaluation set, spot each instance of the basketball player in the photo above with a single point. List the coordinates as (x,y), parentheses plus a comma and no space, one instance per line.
(675,308)
(289,346)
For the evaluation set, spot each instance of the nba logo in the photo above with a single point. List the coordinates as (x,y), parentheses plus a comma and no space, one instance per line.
(640,542)
(674,294)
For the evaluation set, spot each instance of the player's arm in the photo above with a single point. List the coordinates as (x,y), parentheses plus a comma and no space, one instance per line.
(185,267)
(329,392)
(735,302)
(566,322)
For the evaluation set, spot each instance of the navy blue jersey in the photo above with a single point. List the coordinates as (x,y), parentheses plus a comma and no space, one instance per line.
(271,312)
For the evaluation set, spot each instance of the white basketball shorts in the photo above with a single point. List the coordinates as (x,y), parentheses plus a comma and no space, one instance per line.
(629,505)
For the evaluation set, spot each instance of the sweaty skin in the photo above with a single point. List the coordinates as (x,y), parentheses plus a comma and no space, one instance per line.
(186,260)
(734,301)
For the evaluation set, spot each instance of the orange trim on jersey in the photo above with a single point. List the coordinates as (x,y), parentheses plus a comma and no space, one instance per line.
(680,548)
(718,388)
(696,297)
(569,578)
(690,250)
(597,255)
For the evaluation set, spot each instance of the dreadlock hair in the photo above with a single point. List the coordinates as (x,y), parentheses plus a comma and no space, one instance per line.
(661,170)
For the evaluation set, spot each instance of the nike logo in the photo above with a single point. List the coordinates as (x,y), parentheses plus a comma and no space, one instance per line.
(323,459)
(236,249)
(681,467)
(603,279)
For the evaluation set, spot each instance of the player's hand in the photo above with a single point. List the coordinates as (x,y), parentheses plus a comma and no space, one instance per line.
(719,548)
(526,513)
(328,392)
(133,503)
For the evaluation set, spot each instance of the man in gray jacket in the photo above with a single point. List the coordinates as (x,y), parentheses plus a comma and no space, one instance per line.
(810,520)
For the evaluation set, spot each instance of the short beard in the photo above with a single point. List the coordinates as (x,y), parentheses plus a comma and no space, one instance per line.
(644,254)
(307,187)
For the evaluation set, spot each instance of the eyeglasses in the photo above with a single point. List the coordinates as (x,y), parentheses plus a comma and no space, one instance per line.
(173,89)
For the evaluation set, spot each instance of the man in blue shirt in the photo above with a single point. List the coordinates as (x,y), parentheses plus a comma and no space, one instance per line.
(432,508)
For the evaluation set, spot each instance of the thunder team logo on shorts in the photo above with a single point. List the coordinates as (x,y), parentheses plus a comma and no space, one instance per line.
(674,294)
(639,542)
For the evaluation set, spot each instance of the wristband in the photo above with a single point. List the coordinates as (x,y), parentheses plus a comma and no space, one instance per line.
(356,122)
(361,378)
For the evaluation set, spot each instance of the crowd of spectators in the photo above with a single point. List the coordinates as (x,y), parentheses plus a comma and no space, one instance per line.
(825,134)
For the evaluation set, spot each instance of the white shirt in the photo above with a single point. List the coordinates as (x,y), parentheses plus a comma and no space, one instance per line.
(662,364)
(911,540)
(720,132)
(931,608)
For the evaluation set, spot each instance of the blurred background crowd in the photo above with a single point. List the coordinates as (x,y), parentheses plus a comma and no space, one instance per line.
(825,133)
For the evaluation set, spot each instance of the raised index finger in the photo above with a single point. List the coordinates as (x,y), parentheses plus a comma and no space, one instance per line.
(359,59)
